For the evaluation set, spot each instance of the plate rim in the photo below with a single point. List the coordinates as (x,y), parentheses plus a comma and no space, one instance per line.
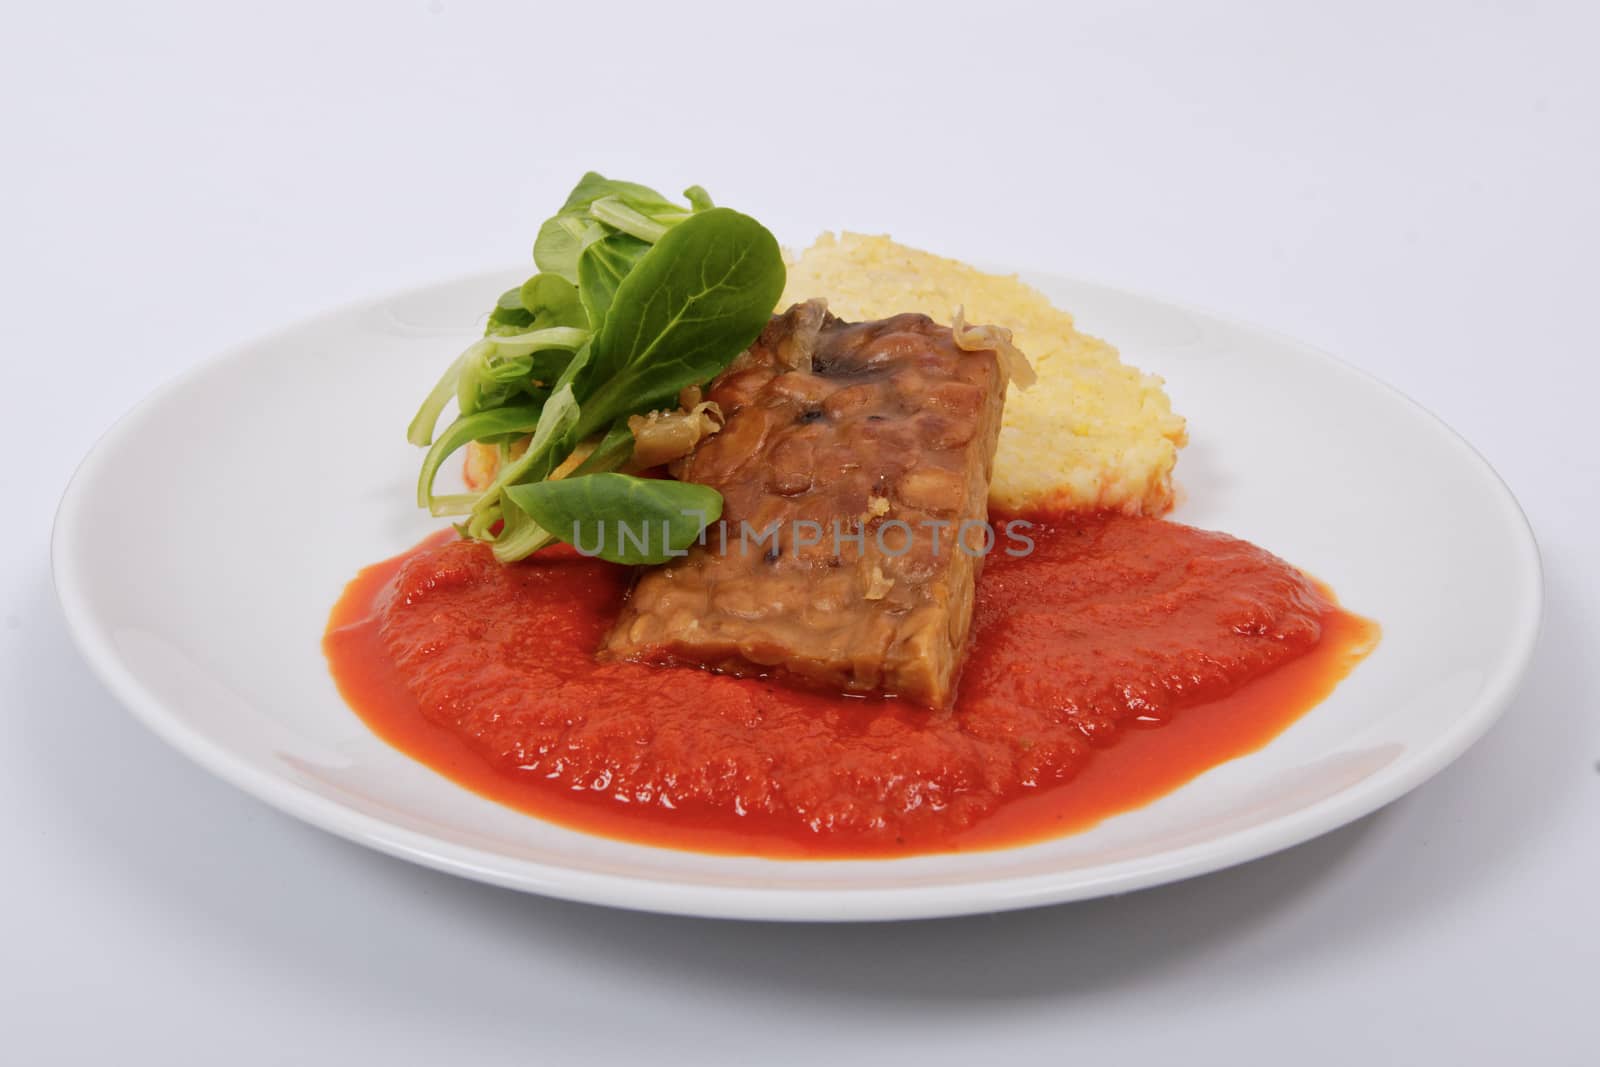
(805,904)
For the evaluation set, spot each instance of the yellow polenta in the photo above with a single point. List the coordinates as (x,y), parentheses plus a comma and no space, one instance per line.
(1092,433)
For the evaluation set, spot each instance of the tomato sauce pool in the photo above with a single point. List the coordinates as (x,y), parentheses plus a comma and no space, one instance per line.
(1117,661)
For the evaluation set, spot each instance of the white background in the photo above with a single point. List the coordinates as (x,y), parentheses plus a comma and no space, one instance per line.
(1413,186)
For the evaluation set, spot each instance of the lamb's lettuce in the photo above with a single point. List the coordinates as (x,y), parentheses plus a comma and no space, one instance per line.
(621,518)
(636,297)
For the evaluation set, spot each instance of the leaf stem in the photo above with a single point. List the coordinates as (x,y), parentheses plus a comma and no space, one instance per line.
(613,212)
(420,432)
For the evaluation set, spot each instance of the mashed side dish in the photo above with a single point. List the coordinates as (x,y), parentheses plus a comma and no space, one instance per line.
(1093,433)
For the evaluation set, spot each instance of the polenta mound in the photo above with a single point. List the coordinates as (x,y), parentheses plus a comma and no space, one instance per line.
(1092,434)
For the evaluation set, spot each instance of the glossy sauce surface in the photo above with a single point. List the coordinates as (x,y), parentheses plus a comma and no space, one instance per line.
(1118,660)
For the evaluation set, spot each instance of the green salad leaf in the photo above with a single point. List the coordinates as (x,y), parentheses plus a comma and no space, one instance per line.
(621,518)
(601,268)
(483,426)
(636,296)
(705,288)
(552,301)
(598,207)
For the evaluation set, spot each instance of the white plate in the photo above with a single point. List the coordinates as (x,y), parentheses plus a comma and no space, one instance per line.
(201,544)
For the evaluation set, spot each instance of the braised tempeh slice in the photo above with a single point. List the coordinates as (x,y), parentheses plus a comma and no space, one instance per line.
(861,449)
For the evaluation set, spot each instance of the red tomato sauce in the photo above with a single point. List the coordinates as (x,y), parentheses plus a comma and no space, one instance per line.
(1118,660)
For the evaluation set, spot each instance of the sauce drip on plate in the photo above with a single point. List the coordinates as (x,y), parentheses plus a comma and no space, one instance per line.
(1119,659)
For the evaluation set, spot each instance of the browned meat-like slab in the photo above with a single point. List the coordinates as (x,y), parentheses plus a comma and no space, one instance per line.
(860,450)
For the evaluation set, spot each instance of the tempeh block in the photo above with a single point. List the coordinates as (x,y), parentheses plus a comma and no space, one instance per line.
(852,457)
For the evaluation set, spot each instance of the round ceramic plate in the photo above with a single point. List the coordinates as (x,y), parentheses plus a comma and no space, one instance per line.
(201,544)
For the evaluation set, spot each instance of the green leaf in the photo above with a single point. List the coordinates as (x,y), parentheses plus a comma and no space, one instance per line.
(546,366)
(614,449)
(636,297)
(487,424)
(596,186)
(553,301)
(560,415)
(601,268)
(497,368)
(691,304)
(575,367)
(620,215)
(423,423)
(564,337)
(508,315)
(553,437)
(561,240)
(502,320)
(507,371)
(520,537)
(619,517)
